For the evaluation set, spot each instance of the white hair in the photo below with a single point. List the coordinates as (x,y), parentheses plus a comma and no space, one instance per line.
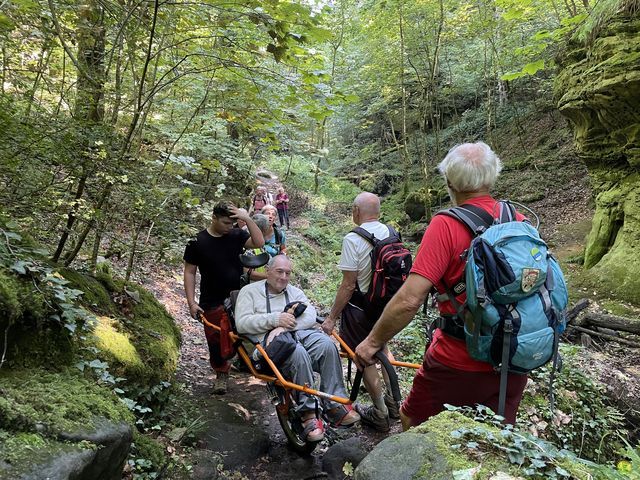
(262,221)
(470,167)
(273,260)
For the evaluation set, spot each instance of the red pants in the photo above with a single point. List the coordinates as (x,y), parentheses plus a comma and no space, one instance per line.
(436,384)
(218,363)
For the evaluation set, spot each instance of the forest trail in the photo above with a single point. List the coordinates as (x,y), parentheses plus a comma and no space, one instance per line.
(242,426)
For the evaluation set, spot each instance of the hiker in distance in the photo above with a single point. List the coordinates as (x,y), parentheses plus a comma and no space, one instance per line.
(275,241)
(259,200)
(448,375)
(282,204)
(266,311)
(215,252)
(351,307)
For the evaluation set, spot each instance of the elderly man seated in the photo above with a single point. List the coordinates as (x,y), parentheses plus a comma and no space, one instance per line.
(260,309)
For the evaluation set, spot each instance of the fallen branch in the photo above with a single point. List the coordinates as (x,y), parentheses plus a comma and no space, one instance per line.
(577,308)
(606,336)
(613,322)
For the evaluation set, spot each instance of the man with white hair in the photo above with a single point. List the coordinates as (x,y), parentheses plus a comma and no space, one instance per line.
(263,310)
(448,374)
(350,304)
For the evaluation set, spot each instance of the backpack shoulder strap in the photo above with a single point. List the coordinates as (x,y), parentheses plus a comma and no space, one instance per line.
(278,234)
(507,211)
(368,236)
(393,232)
(476,219)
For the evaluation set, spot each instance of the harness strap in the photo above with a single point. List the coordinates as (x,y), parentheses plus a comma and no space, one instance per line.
(504,367)
(556,366)
(266,294)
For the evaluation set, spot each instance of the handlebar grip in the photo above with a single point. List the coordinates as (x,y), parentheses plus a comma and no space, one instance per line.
(393,376)
(391,372)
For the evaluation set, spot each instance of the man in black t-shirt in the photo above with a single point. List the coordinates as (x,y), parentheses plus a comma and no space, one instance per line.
(215,252)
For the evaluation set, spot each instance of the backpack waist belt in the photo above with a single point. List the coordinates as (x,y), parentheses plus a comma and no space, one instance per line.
(451,325)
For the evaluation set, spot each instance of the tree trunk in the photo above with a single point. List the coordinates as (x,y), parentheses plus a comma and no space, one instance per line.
(89,106)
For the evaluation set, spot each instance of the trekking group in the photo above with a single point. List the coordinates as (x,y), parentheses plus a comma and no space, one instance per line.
(500,296)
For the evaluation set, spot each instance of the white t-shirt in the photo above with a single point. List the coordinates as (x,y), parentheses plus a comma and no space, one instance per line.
(356,250)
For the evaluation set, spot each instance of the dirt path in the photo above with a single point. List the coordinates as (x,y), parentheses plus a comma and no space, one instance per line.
(241,426)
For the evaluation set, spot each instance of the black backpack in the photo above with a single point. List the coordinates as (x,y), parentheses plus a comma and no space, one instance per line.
(390,266)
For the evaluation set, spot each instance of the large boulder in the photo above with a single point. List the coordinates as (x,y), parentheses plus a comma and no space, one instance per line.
(61,426)
(451,445)
(598,90)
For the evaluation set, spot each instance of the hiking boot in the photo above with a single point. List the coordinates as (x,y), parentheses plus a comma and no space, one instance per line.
(392,406)
(342,416)
(220,383)
(373,417)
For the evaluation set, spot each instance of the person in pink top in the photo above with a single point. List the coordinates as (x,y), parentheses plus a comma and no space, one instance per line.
(282,204)
(448,374)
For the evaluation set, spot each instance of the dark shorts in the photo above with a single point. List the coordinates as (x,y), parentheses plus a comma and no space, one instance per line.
(436,384)
(354,325)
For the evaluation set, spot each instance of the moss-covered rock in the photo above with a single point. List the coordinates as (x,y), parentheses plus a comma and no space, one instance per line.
(598,89)
(451,445)
(37,400)
(418,203)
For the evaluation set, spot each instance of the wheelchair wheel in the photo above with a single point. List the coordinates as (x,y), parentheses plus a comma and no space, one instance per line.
(291,424)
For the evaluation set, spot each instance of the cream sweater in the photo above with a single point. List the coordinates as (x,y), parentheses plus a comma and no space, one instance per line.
(251,314)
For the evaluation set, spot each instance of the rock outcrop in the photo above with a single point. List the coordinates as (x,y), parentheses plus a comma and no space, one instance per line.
(598,90)
(451,445)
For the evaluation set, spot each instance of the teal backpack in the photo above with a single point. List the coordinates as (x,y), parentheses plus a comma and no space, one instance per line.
(516,294)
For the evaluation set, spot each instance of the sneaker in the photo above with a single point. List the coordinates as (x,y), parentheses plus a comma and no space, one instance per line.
(373,417)
(392,406)
(313,429)
(220,383)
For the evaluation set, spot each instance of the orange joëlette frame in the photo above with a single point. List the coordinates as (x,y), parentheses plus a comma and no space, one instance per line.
(278,378)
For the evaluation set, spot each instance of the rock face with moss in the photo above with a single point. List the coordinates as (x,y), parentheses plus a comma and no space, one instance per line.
(598,90)
(451,445)
(59,414)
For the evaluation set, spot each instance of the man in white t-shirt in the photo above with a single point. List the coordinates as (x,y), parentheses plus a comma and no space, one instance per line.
(355,325)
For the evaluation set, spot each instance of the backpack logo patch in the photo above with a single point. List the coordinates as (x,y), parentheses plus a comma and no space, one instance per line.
(536,254)
(529,278)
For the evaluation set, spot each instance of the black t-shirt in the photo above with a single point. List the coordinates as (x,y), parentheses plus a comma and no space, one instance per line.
(218,262)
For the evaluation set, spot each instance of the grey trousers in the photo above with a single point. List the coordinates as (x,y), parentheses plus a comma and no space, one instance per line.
(315,352)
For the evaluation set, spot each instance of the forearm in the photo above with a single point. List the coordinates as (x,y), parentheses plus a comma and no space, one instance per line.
(396,316)
(190,287)
(257,323)
(257,240)
(343,295)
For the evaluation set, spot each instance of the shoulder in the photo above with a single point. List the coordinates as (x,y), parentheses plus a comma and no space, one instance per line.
(295,291)
(253,289)
(197,240)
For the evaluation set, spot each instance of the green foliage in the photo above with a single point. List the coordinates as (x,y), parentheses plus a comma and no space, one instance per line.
(34,294)
(532,457)
(601,14)
(582,420)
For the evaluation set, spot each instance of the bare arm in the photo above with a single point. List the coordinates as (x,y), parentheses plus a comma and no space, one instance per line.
(396,315)
(343,295)
(190,288)
(256,240)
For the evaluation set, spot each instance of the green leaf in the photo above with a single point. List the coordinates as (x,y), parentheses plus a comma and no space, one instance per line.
(532,68)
